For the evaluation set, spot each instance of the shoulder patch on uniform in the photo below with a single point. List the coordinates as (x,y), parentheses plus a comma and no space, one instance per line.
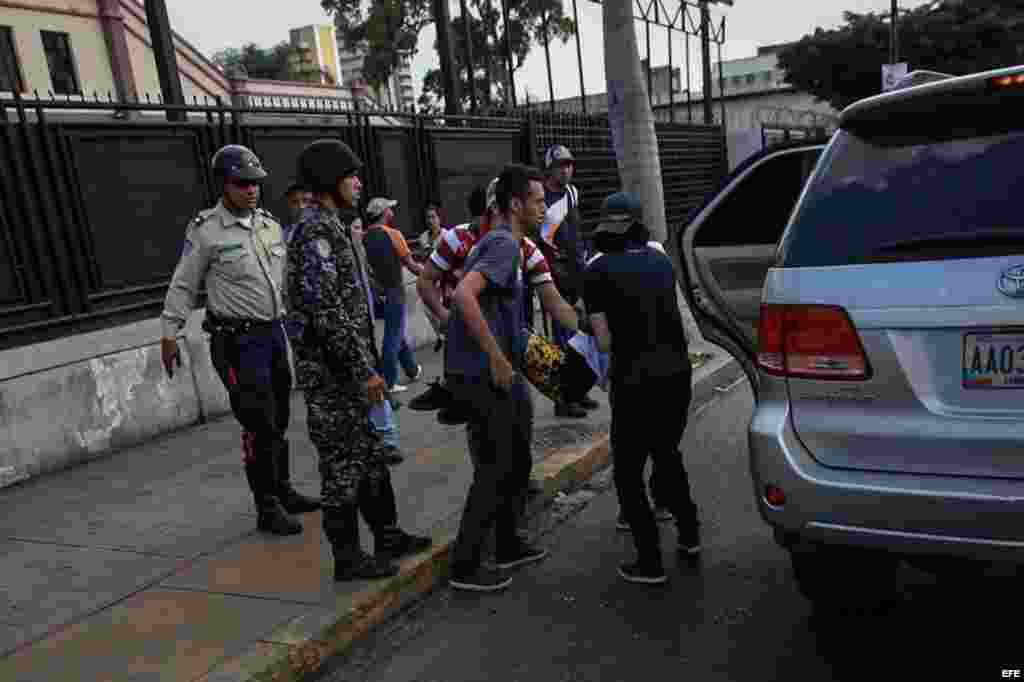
(266,214)
(186,248)
(323,248)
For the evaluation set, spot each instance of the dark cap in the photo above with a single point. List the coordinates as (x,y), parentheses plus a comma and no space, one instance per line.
(295,186)
(618,213)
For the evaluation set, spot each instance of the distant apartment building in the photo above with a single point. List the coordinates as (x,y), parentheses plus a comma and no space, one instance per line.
(397,93)
(315,57)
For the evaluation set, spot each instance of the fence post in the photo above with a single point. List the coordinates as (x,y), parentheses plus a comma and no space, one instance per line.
(61,279)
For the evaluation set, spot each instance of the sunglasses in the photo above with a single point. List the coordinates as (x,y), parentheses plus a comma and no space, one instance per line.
(245,184)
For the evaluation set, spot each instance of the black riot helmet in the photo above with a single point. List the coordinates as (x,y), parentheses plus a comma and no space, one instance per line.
(324,162)
(235,162)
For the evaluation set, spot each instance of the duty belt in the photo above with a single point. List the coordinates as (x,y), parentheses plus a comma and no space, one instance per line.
(235,326)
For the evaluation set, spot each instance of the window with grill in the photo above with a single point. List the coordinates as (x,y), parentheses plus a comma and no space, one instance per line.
(61,61)
(10,72)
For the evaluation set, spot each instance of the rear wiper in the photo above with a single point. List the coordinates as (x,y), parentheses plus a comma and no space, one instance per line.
(953,239)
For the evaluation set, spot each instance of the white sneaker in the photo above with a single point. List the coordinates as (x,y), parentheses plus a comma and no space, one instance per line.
(398,388)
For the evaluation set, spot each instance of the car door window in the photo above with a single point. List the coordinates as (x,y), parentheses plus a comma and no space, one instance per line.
(734,246)
(756,210)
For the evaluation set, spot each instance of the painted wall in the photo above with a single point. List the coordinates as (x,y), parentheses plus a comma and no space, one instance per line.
(199,77)
(87,44)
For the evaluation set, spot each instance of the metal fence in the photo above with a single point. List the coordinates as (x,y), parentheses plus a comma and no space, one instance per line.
(773,134)
(94,197)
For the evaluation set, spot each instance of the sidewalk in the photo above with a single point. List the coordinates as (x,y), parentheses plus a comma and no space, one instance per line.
(146,565)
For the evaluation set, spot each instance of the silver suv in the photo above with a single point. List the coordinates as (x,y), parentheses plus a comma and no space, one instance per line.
(878,309)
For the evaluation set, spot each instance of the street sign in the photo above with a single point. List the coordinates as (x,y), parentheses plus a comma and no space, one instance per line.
(892,73)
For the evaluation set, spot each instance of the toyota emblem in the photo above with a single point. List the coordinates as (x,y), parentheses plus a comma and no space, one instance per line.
(1011,282)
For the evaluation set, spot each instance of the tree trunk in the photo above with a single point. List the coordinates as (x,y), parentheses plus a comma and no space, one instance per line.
(632,121)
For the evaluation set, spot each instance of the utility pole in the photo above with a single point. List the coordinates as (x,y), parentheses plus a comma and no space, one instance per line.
(705,46)
(508,57)
(470,64)
(894,51)
(164,53)
(449,74)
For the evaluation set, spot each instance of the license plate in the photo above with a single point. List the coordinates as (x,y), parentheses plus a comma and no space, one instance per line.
(993,361)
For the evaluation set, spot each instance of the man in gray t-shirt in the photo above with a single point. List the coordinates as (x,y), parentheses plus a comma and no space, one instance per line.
(497,258)
(484,358)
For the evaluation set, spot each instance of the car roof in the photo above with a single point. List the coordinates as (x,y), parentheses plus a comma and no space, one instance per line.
(974,82)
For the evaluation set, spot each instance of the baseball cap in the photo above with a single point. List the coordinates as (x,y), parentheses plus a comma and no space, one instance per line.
(618,213)
(556,154)
(295,186)
(377,206)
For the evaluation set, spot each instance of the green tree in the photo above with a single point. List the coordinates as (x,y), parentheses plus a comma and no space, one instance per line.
(256,61)
(527,28)
(843,65)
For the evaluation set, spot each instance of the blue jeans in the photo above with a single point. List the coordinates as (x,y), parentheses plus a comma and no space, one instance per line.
(383,419)
(560,335)
(395,349)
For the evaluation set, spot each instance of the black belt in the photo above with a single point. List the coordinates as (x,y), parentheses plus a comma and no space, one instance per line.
(234,326)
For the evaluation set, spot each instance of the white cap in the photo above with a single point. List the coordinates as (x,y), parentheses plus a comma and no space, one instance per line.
(378,205)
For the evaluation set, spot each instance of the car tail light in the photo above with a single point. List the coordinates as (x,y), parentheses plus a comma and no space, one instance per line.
(774,495)
(1005,82)
(810,342)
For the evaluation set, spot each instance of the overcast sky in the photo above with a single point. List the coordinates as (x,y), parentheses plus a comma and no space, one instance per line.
(211,26)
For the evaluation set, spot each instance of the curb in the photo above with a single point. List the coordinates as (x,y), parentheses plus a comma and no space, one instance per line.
(301,646)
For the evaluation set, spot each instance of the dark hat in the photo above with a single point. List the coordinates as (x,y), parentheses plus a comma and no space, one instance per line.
(324,162)
(295,186)
(619,212)
(235,162)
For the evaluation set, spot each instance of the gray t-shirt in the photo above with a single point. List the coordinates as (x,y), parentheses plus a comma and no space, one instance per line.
(497,258)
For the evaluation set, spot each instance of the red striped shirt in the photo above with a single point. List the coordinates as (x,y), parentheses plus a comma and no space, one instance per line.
(452,251)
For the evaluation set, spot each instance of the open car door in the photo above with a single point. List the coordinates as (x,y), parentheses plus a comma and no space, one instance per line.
(730,243)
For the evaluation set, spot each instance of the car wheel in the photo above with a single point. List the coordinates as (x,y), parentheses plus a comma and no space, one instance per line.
(845,581)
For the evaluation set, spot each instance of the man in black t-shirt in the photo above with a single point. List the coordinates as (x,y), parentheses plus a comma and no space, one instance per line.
(630,295)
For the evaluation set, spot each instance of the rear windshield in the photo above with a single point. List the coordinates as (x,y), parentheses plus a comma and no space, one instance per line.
(893,200)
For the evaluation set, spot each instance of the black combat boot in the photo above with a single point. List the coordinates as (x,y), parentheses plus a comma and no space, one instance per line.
(341,525)
(275,520)
(271,516)
(393,543)
(292,500)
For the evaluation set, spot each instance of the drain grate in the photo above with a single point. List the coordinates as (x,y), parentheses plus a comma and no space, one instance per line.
(562,435)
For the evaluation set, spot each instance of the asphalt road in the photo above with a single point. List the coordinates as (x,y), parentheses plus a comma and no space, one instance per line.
(733,614)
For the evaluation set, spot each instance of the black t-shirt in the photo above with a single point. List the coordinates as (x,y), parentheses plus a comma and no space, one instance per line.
(636,291)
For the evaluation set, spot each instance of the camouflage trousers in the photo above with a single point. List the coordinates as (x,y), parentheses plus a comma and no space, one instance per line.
(351,452)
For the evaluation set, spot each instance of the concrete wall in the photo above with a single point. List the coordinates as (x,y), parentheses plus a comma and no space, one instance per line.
(68,401)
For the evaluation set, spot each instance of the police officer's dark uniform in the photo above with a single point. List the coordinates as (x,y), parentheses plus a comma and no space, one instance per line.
(335,357)
(239,256)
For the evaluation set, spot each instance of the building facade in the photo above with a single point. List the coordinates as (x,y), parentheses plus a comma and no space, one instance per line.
(752,91)
(315,57)
(102,48)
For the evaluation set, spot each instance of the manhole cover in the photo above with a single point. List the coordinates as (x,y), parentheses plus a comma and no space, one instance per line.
(561,435)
